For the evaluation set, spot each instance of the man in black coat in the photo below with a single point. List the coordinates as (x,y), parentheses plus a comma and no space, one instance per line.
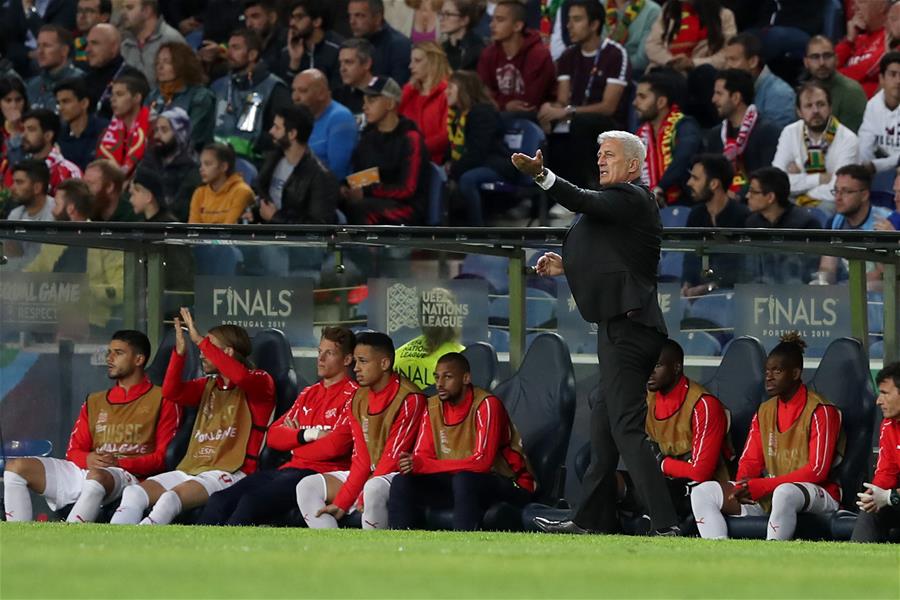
(610,259)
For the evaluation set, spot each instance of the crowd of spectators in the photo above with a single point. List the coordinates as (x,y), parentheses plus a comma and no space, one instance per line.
(314,111)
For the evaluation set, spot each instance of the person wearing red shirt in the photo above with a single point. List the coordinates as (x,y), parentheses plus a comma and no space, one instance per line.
(477,461)
(120,435)
(880,502)
(269,493)
(41,129)
(786,465)
(234,405)
(424,100)
(125,139)
(688,427)
(858,53)
(379,427)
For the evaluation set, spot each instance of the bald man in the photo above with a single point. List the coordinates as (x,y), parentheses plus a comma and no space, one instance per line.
(104,62)
(334,134)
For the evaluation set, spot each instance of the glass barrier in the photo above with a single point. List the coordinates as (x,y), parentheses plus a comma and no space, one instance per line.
(64,288)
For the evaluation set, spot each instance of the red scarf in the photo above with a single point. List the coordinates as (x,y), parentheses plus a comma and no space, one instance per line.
(733,148)
(660,150)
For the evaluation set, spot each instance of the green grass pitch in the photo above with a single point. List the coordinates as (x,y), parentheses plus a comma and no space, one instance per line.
(55,560)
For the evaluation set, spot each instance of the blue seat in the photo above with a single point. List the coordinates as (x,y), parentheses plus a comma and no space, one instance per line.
(819,214)
(436,211)
(247,170)
(195,38)
(522,135)
(499,339)
(715,311)
(833,22)
(876,313)
(271,352)
(699,343)
(493,269)
(156,371)
(23,448)
(483,363)
(217,260)
(540,309)
(674,216)
(671,266)
(876,350)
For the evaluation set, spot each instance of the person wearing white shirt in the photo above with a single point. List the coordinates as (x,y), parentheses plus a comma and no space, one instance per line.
(879,134)
(812,149)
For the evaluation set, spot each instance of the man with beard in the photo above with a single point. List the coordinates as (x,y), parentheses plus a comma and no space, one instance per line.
(261,17)
(310,44)
(81,127)
(121,435)
(106,182)
(39,142)
(53,47)
(848,100)
(88,14)
(247,97)
(812,149)
(30,179)
(145,32)
(710,176)
(334,133)
(293,186)
(172,156)
(672,138)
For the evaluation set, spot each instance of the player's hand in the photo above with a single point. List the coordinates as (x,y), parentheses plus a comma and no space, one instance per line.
(97,460)
(874,498)
(335,511)
(189,323)
(210,51)
(405,464)
(741,492)
(531,166)
(549,265)
(180,345)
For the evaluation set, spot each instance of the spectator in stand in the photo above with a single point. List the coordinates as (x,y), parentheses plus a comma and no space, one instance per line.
(294,186)
(478,153)
(769,200)
(145,32)
(356,73)
(391,49)
(785,467)
(147,197)
(425,26)
(424,100)
(107,183)
(892,222)
(880,501)
(261,17)
(125,139)
(73,202)
(30,185)
(182,84)
(173,157)
(628,22)
(772,96)
(672,138)
(53,46)
(396,148)
(711,175)
(812,149)
(224,196)
(859,52)
(591,78)
(81,128)
(39,142)
(311,44)
(13,105)
(848,100)
(88,14)
(784,30)
(879,144)
(105,63)
(334,134)
(745,137)
(462,45)
(247,97)
(516,67)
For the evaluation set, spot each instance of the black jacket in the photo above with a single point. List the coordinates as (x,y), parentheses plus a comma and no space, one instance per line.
(323,57)
(611,252)
(310,193)
(465,54)
(390,57)
(181,177)
(483,145)
(761,146)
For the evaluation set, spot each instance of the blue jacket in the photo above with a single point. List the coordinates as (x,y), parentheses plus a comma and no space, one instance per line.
(774,99)
(333,138)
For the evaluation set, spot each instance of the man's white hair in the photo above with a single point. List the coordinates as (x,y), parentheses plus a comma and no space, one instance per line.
(632,145)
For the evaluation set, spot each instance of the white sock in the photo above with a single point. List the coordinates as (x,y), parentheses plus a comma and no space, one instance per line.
(165,510)
(311,495)
(706,501)
(375,500)
(134,502)
(88,505)
(787,501)
(16,497)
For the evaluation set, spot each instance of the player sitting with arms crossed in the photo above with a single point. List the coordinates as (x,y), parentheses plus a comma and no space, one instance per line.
(380,425)
(234,405)
(269,493)
(121,434)
(785,469)
(468,455)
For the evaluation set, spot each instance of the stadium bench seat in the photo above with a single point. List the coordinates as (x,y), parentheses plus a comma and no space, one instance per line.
(525,136)
(699,343)
(674,216)
(272,354)
(483,363)
(493,269)
(540,309)
(156,372)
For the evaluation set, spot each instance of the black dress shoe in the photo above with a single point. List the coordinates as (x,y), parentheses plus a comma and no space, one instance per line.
(553,526)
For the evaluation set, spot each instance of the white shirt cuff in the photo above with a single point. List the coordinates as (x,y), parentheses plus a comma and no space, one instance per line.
(548,181)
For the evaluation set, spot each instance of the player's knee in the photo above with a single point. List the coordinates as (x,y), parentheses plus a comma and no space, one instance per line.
(706,494)
(788,496)
(101,476)
(136,496)
(376,490)
(23,467)
(310,490)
